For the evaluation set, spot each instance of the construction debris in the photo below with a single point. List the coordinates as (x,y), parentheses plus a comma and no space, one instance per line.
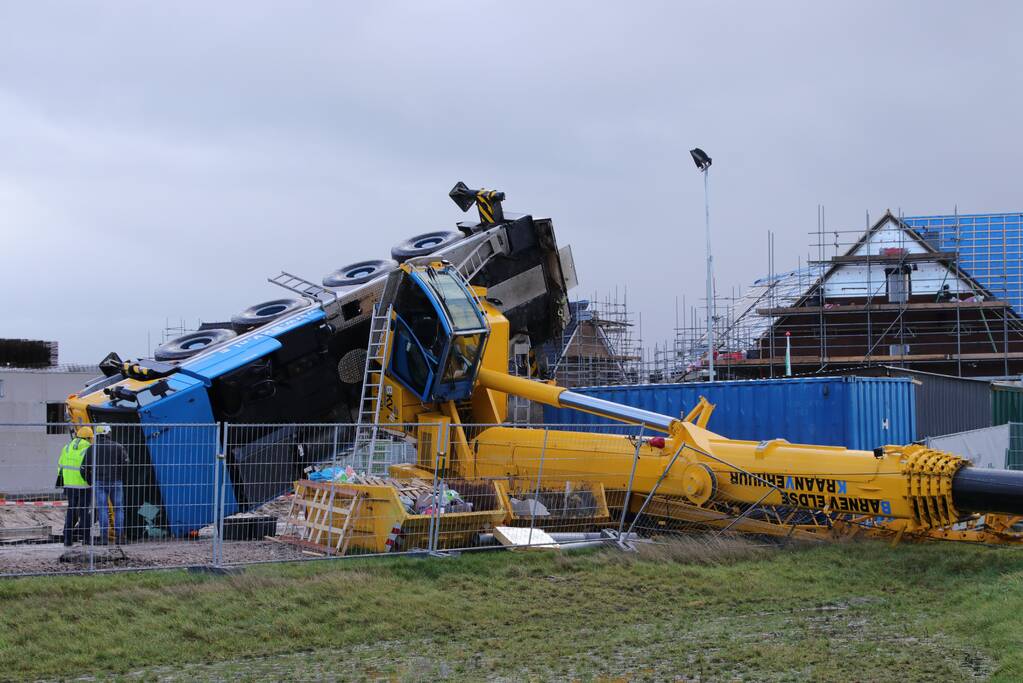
(574,506)
(410,491)
(530,507)
(519,538)
(31,534)
(86,555)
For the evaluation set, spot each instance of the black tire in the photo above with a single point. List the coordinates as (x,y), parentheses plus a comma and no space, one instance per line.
(424,245)
(359,273)
(187,345)
(266,312)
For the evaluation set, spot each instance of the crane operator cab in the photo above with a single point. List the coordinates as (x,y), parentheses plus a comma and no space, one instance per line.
(438,332)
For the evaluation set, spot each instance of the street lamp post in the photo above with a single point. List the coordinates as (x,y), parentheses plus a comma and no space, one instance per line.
(703,162)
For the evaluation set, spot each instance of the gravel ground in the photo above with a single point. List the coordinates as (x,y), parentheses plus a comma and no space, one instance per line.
(45,557)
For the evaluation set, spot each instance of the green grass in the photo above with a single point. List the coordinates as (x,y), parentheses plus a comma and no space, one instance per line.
(843,613)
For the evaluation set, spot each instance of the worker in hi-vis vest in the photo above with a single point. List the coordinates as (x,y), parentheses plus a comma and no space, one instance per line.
(74,473)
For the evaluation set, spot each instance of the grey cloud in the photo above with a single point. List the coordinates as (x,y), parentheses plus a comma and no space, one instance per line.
(162,160)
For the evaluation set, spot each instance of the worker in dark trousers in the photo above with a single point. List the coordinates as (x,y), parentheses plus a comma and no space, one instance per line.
(111,460)
(74,473)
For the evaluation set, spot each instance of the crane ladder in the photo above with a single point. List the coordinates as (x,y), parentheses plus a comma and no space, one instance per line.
(480,255)
(519,406)
(303,287)
(368,427)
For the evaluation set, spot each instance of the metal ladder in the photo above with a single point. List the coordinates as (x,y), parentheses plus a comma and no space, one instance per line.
(519,407)
(368,427)
(303,287)
(481,255)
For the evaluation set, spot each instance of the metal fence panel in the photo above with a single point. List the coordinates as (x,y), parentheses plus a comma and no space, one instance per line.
(306,491)
(235,494)
(152,490)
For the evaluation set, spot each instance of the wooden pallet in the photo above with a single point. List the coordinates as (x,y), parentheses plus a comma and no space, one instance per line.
(310,521)
(411,486)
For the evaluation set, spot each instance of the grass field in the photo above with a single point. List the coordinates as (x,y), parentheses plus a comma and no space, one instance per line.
(840,613)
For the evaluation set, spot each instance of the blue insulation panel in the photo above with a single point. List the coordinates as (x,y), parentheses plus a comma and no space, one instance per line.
(990,248)
(856,412)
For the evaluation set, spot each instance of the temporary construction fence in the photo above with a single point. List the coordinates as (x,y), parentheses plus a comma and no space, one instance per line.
(221,495)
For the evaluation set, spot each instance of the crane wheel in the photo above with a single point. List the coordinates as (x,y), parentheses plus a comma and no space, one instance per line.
(187,345)
(699,483)
(424,245)
(266,312)
(359,273)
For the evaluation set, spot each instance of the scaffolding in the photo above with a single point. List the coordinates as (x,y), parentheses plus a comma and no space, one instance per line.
(599,345)
(737,327)
(941,294)
(935,293)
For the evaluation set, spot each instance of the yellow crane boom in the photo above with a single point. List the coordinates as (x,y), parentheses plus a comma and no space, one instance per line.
(927,487)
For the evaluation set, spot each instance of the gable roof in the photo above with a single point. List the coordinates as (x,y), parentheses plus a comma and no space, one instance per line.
(865,238)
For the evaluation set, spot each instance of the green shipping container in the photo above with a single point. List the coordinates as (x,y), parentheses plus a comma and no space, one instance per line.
(1006,404)
(1014,453)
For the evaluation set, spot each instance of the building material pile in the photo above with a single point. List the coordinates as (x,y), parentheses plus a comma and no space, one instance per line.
(366,513)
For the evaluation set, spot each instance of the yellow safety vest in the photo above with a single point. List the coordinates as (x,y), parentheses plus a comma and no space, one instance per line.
(71,458)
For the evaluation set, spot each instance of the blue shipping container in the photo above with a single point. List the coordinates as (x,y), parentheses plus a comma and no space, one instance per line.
(856,412)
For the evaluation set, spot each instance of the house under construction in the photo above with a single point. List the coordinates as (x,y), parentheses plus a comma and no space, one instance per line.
(597,347)
(940,294)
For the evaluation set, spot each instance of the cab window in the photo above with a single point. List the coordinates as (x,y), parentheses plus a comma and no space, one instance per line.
(457,301)
(410,362)
(439,334)
(462,359)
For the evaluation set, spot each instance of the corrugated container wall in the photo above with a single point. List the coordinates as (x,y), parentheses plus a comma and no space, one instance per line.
(944,404)
(1006,404)
(855,412)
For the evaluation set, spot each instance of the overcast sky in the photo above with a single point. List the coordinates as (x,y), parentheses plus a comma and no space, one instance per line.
(163,159)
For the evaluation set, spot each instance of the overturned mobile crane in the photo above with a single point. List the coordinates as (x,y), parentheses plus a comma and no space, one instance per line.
(298,360)
(443,377)
(421,350)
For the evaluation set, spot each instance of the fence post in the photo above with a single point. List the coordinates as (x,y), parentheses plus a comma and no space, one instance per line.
(216,494)
(433,517)
(446,432)
(93,515)
(443,438)
(333,486)
(536,494)
(222,494)
(628,490)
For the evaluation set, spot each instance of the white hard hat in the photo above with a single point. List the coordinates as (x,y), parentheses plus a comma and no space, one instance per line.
(102,429)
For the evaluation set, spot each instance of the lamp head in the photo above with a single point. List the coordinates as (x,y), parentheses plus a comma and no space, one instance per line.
(700,158)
